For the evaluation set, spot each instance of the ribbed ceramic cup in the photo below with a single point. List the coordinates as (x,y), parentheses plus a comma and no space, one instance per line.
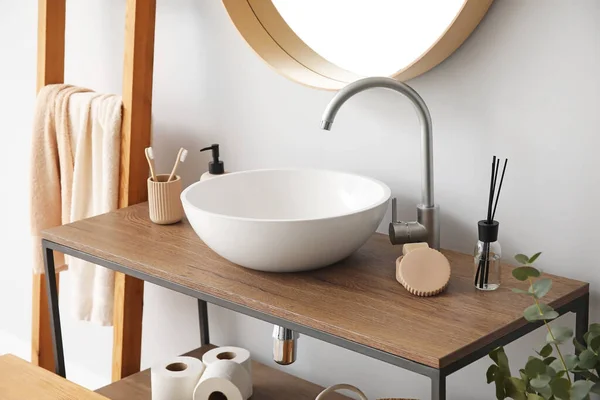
(164,200)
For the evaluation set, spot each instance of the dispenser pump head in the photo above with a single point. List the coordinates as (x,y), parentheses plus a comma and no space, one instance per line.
(215,167)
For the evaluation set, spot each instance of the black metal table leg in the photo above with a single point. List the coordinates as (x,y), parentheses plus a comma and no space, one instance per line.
(203,319)
(438,387)
(59,356)
(582,315)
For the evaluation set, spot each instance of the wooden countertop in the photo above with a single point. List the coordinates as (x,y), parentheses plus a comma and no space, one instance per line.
(268,384)
(21,380)
(357,299)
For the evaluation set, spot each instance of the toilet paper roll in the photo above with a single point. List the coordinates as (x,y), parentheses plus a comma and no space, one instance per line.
(176,378)
(224,379)
(236,354)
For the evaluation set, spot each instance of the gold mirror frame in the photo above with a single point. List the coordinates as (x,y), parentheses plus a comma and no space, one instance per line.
(263,28)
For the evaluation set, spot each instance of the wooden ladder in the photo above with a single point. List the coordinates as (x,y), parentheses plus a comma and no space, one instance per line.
(136,136)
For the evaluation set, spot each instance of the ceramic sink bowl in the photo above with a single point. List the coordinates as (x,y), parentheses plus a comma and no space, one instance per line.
(285,220)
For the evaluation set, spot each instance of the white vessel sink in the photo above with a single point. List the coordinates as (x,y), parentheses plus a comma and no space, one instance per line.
(285,220)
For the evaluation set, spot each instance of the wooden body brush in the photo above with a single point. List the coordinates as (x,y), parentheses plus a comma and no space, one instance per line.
(422,271)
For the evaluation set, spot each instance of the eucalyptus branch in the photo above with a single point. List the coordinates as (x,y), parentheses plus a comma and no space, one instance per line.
(560,356)
(543,378)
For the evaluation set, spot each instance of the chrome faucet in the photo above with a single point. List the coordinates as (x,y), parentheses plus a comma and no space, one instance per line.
(427,226)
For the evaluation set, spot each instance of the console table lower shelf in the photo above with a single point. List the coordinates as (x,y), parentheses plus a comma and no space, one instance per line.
(269,384)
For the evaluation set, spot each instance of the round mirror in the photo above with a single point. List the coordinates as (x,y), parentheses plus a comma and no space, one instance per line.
(329,43)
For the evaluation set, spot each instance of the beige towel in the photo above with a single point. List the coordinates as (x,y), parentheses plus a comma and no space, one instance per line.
(51,167)
(66,187)
(96,121)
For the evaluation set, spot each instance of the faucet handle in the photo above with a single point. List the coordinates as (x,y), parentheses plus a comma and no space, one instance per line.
(405,232)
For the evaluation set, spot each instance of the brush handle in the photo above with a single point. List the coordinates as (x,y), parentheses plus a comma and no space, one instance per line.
(176,165)
(151,165)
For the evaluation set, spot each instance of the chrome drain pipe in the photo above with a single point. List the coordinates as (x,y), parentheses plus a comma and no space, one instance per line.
(284,345)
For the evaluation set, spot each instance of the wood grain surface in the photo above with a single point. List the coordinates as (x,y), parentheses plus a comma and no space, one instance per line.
(20,380)
(136,135)
(357,299)
(268,384)
(50,70)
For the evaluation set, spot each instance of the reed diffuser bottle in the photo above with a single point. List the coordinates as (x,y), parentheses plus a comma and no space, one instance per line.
(488,252)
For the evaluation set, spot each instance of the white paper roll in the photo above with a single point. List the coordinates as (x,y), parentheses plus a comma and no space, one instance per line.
(175,379)
(237,354)
(225,378)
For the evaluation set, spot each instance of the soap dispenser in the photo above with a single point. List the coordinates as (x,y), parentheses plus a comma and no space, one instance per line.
(215,167)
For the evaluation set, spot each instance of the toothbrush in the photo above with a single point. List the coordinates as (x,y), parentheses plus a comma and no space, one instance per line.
(150,158)
(180,158)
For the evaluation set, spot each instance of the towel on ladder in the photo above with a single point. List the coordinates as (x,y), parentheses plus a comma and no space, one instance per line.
(51,172)
(91,126)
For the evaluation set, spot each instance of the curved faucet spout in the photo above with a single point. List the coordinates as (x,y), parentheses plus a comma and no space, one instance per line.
(424,118)
(427,211)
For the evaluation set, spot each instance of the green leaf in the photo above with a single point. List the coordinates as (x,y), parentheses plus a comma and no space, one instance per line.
(522,258)
(499,357)
(533,396)
(491,373)
(541,287)
(561,334)
(580,390)
(578,346)
(540,382)
(560,388)
(549,360)
(520,291)
(500,389)
(595,342)
(546,392)
(591,339)
(560,373)
(515,388)
(594,328)
(524,376)
(571,361)
(534,257)
(586,374)
(596,388)
(524,273)
(534,367)
(587,359)
(532,313)
(557,366)
(545,351)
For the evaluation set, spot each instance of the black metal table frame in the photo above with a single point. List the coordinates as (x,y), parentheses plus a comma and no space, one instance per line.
(579,306)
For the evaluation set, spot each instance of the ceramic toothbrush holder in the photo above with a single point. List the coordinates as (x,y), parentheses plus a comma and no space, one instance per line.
(164,202)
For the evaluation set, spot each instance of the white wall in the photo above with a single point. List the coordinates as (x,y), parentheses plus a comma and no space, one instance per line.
(524,86)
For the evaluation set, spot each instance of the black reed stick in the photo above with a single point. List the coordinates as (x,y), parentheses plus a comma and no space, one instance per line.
(499,188)
(486,262)
(487,270)
(495,181)
(482,265)
(491,198)
(477,274)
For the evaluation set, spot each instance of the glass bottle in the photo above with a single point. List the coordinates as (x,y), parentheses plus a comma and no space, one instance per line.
(487,256)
